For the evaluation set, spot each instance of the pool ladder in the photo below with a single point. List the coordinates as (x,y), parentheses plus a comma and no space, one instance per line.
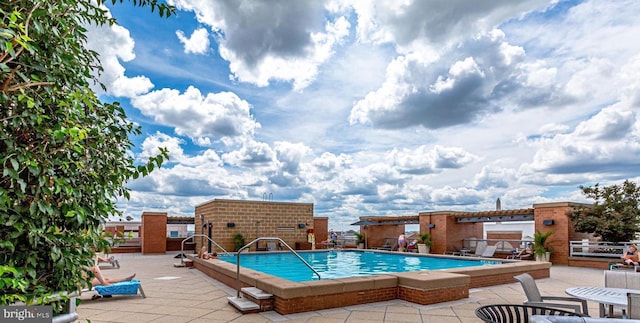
(247,246)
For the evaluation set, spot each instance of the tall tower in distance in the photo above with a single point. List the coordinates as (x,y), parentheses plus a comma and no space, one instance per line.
(498,206)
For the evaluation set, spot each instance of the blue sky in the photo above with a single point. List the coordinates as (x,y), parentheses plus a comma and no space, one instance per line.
(377,107)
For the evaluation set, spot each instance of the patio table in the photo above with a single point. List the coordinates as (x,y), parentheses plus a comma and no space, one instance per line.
(602,295)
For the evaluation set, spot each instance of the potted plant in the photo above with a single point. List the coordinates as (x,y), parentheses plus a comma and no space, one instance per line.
(424,242)
(360,240)
(238,241)
(540,248)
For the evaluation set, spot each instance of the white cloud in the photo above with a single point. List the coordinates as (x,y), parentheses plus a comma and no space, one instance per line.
(220,116)
(198,43)
(458,88)
(604,144)
(114,43)
(271,41)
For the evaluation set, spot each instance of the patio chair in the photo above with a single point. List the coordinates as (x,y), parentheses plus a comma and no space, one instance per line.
(621,279)
(489,251)
(389,244)
(633,306)
(480,246)
(508,313)
(535,298)
(271,246)
(457,251)
(108,259)
(130,287)
(524,254)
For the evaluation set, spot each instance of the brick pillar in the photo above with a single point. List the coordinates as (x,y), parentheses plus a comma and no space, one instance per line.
(153,232)
(555,215)
(446,232)
(321,229)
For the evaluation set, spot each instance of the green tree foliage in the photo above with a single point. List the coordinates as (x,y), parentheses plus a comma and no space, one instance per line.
(615,214)
(64,155)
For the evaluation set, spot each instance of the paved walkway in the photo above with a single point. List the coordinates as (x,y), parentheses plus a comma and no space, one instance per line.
(178,294)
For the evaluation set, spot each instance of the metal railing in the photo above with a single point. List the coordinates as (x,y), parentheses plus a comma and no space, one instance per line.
(248,245)
(198,235)
(586,248)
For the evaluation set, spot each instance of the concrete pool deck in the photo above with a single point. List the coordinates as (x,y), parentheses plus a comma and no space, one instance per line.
(179,294)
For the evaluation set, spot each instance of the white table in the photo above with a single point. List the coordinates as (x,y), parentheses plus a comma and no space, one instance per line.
(602,295)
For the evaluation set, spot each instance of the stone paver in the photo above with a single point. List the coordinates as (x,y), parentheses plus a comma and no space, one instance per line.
(179,294)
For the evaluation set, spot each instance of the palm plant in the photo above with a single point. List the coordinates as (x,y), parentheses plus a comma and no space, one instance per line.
(425,238)
(359,238)
(540,242)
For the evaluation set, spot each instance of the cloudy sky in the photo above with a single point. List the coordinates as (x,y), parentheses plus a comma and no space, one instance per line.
(377,107)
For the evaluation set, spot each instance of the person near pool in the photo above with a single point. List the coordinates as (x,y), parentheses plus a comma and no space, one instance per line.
(401,242)
(631,256)
(334,237)
(203,254)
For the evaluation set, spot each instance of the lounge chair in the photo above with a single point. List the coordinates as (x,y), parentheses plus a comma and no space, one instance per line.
(534,297)
(508,313)
(113,262)
(389,244)
(272,246)
(488,252)
(480,247)
(457,251)
(130,287)
(524,254)
(412,245)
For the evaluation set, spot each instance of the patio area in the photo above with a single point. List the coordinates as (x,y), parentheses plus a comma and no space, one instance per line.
(179,294)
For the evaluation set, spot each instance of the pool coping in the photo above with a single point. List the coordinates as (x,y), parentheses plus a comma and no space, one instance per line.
(421,287)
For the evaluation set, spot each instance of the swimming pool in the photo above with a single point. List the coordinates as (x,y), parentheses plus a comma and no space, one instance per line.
(346,263)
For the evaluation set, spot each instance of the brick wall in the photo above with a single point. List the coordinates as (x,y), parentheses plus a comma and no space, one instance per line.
(319,302)
(154,232)
(505,235)
(254,219)
(433,296)
(375,234)
(447,233)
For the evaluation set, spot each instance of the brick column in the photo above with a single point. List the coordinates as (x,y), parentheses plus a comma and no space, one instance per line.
(153,233)
(555,215)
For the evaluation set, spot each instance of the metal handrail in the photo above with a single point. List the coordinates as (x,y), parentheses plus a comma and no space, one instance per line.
(248,245)
(600,249)
(198,235)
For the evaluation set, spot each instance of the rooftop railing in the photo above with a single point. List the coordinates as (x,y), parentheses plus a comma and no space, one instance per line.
(586,248)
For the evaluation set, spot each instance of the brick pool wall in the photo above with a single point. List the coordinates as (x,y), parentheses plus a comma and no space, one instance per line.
(421,287)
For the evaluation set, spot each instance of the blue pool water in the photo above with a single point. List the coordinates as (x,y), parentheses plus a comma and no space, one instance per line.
(340,264)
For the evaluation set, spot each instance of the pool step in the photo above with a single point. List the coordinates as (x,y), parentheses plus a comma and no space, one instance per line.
(254,300)
(244,305)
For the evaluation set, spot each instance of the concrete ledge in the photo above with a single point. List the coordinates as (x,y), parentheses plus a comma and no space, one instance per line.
(356,283)
(431,279)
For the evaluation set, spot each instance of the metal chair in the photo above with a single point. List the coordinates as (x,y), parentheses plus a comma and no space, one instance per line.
(535,298)
(633,306)
(513,313)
